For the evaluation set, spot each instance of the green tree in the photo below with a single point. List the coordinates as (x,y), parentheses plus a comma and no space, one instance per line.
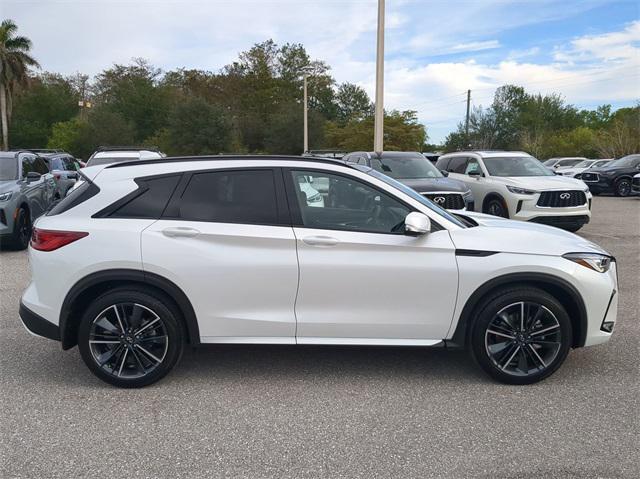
(135,92)
(15,61)
(65,135)
(402,132)
(198,128)
(352,103)
(49,99)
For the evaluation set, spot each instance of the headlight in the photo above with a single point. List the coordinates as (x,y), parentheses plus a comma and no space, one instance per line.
(5,196)
(594,261)
(521,191)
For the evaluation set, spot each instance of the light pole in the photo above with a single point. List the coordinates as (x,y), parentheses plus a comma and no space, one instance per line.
(306,116)
(378,129)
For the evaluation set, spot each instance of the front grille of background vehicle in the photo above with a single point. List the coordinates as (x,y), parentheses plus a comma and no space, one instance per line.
(590,177)
(448,201)
(562,199)
(636,182)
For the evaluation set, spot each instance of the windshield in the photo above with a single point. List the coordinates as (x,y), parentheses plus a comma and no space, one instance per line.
(8,168)
(412,193)
(516,166)
(584,164)
(104,160)
(550,162)
(406,168)
(624,162)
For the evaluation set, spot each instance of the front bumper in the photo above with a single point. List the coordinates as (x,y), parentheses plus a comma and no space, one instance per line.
(37,325)
(601,300)
(603,185)
(525,208)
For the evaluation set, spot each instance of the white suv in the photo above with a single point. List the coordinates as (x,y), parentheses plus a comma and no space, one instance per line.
(149,255)
(513,184)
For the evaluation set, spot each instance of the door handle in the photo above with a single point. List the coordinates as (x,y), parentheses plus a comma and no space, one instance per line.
(180,232)
(320,241)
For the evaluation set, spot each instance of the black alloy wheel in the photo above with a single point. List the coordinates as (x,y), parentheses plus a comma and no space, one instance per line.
(497,207)
(130,338)
(21,230)
(521,336)
(623,187)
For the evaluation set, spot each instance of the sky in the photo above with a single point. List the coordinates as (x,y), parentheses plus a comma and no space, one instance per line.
(586,50)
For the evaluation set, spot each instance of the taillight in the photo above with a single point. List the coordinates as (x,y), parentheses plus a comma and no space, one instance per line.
(49,240)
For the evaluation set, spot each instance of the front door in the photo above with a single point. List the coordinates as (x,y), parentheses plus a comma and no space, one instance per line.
(362,280)
(226,241)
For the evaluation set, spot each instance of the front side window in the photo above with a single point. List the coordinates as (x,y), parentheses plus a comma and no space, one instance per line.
(40,166)
(348,204)
(241,196)
(572,162)
(472,167)
(406,167)
(27,165)
(515,166)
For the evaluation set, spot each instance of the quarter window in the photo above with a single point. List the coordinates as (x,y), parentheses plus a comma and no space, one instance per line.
(243,196)
(348,204)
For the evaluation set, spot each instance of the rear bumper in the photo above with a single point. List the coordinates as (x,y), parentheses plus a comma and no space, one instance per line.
(37,325)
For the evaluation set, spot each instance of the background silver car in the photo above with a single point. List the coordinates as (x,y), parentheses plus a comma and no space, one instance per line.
(64,169)
(27,191)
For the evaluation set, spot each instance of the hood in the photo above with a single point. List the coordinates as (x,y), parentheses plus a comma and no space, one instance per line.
(509,236)
(426,185)
(543,183)
(572,171)
(8,185)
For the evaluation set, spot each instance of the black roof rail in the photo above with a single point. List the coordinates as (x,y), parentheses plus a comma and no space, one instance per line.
(127,148)
(185,159)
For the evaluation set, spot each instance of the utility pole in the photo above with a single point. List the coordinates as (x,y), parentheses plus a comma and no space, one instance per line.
(466,122)
(306,117)
(379,113)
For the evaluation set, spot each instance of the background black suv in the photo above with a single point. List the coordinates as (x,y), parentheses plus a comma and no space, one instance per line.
(615,177)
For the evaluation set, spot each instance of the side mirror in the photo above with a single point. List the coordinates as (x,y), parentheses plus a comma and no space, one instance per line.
(33,176)
(444,172)
(416,224)
(475,173)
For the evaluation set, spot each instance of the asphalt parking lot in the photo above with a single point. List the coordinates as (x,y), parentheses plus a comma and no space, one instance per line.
(240,411)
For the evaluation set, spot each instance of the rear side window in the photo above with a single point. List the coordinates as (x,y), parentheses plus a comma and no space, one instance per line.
(244,196)
(458,165)
(443,163)
(149,201)
(76,196)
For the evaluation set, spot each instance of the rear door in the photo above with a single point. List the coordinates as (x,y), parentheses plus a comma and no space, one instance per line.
(225,239)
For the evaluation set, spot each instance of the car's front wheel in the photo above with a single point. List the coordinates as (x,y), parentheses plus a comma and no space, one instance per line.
(497,207)
(130,338)
(521,335)
(21,230)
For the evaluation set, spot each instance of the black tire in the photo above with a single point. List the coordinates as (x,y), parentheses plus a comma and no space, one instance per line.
(143,358)
(573,228)
(537,350)
(497,207)
(21,235)
(623,187)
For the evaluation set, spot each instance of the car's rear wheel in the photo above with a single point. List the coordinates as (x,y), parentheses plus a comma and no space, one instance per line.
(623,187)
(130,338)
(521,335)
(497,207)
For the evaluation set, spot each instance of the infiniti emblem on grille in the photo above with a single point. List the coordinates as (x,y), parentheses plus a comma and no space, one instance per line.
(440,199)
(565,196)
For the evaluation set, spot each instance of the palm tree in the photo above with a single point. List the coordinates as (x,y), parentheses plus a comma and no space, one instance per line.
(14,63)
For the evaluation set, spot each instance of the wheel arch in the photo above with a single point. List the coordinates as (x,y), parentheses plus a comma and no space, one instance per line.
(562,290)
(91,286)
(494,195)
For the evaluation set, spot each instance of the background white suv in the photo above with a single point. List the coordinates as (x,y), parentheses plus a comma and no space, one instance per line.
(146,256)
(513,184)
